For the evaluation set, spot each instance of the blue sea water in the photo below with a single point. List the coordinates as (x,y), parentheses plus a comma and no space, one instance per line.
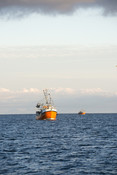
(71,145)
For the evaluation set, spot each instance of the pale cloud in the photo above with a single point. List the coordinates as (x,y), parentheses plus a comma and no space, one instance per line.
(58,91)
(4,90)
(23,7)
(56,51)
(6,94)
(30,90)
(65,99)
(64,91)
(15,95)
(92,91)
(84,92)
(97,92)
(24,90)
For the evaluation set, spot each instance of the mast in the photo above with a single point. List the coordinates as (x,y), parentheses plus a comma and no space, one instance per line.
(47,96)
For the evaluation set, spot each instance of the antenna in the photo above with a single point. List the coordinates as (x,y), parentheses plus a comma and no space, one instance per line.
(45,91)
(47,95)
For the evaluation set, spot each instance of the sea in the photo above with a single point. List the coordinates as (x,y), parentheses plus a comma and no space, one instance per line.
(71,145)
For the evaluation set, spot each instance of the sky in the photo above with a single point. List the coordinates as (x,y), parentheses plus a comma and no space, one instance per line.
(68,47)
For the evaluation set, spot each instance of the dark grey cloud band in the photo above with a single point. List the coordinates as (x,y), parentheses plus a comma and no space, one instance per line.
(55,6)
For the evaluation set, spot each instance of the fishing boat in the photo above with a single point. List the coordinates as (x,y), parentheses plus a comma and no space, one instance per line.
(46,110)
(82,113)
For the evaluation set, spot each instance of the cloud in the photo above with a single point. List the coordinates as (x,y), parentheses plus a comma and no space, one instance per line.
(23,91)
(94,91)
(4,90)
(97,92)
(65,99)
(58,91)
(30,90)
(58,51)
(17,95)
(69,91)
(23,7)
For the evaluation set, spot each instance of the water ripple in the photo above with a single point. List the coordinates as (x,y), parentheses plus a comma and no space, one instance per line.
(70,145)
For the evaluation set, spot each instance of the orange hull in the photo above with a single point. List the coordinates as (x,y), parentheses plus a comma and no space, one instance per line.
(82,113)
(48,115)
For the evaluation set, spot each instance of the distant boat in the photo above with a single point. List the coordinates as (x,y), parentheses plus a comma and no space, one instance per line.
(46,111)
(82,113)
